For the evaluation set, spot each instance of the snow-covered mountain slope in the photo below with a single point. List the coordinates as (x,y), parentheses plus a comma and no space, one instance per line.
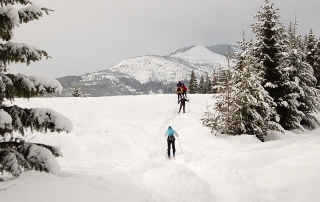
(150,68)
(200,56)
(144,74)
(116,152)
(172,68)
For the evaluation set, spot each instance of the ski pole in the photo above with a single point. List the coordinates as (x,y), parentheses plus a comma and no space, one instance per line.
(179,144)
(163,144)
(188,103)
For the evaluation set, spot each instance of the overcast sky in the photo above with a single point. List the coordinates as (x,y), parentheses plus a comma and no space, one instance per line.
(90,36)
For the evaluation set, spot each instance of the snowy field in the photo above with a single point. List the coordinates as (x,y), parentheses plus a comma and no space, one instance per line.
(116,153)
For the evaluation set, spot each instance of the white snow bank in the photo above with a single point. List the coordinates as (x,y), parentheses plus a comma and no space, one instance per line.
(116,152)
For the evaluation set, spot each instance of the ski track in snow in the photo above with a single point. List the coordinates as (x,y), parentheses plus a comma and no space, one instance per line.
(117,152)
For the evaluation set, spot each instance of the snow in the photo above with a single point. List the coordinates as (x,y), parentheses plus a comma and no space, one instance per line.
(172,68)
(5,119)
(61,122)
(12,13)
(116,152)
(43,156)
(200,55)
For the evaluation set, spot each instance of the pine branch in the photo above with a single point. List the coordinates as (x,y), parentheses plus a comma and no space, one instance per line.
(37,119)
(20,53)
(6,26)
(12,2)
(31,13)
(26,86)
(12,161)
(54,150)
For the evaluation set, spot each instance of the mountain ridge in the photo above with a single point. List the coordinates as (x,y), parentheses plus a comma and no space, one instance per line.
(150,73)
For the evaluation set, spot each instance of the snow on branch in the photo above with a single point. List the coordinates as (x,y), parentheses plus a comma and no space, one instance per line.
(20,52)
(12,2)
(12,161)
(8,19)
(32,12)
(46,84)
(26,86)
(39,158)
(5,122)
(18,156)
(39,119)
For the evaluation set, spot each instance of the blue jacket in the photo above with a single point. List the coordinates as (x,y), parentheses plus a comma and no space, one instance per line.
(171,132)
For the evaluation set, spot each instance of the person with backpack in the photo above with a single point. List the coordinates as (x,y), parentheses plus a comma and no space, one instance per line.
(170,133)
(182,102)
(184,90)
(179,89)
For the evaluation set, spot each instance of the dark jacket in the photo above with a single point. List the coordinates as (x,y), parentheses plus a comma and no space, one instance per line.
(183,101)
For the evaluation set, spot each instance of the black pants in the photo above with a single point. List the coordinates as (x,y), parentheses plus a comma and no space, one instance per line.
(182,105)
(185,93)
(170,141)
(179,96)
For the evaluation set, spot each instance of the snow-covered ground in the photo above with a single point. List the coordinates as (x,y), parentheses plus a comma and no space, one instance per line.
(116,152)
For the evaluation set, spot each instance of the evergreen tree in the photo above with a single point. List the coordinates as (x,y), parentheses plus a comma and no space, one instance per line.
(270,44)
(248,109)
(16,154)
(316,67)
(302,74)
(215,87)
(310,49)
(193,83)
(201,86)
(208,85)
(76,91)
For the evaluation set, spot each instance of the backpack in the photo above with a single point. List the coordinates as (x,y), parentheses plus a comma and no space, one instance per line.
(184,88)
(179,90)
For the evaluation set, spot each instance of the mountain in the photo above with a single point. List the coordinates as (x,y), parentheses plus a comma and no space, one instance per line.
(224,49)
(150,74)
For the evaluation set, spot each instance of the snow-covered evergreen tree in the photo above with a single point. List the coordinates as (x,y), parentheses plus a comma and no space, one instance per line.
(316,67)
(17,155)
(208,85)
(201,86)
(270,47)
(248,108)
(76,91)
(302,74)
(193,83)
(311,51)
(310,48)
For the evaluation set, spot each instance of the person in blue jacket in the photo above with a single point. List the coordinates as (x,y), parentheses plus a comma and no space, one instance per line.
(170,133)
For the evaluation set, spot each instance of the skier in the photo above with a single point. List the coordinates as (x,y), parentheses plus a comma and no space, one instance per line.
(179,84)
(182,102)
(170,133)
(184,89)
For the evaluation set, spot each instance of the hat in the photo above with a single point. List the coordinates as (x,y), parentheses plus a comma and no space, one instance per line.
(169,127)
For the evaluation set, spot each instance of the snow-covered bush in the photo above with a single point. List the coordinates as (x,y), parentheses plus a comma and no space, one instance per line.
(16,155)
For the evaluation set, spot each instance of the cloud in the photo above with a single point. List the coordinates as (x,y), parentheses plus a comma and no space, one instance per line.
(84,37)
